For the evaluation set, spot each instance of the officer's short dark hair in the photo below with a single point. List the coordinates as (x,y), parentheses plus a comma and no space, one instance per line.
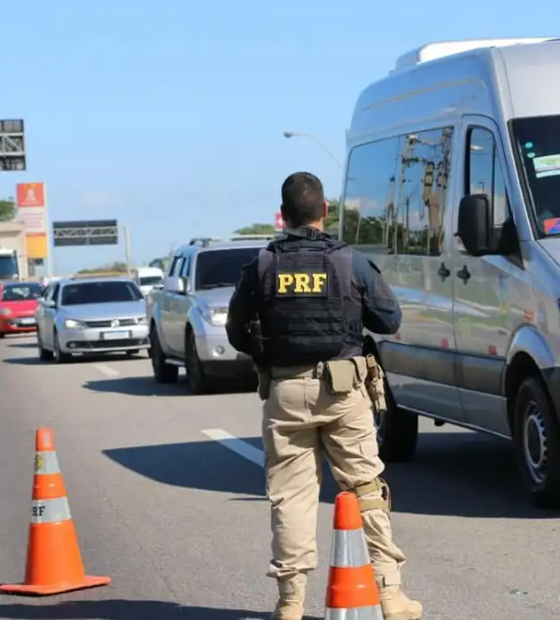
(303,199)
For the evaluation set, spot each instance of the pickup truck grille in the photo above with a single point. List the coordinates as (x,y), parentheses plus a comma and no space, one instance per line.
(107,323)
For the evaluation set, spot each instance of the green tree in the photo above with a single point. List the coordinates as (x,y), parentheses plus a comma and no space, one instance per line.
(7,210)
(256,229)
(332,219)
(116,267)
(159,263)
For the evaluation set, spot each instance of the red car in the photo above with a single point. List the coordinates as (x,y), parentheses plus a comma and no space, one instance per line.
(18,305)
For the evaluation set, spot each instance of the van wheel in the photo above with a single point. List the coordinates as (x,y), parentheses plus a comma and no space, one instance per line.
(537,442)
(163,373)
(397,431)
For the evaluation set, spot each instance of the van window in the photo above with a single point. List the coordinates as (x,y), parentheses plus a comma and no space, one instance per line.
(149,280)
(537,143)
(484,173)
(396,193)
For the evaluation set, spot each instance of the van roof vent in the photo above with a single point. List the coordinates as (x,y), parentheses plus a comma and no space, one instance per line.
(433,51)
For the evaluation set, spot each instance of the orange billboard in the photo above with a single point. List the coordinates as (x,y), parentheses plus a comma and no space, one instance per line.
(30,195)
(31,203)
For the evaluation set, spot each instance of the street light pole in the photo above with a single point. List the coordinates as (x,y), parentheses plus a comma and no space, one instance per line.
(302,134)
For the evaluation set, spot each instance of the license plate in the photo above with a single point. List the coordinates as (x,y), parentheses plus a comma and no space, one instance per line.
(27,321)
(115,335)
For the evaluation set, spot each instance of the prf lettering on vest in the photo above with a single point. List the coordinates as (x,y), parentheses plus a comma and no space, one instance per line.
(302,284)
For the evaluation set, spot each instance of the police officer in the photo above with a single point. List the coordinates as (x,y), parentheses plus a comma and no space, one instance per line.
(311,297)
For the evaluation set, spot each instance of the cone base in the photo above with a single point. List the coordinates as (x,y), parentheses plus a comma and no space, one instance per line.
(49,590)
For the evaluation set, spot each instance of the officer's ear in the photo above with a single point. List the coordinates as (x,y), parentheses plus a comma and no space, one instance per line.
(325,209)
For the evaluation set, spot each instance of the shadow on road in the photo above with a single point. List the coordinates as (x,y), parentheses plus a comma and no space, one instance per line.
(23,345)
(454,474)
(77,359)
(25,361)
(146,386)
(205,465)
(124,610)
(138,386)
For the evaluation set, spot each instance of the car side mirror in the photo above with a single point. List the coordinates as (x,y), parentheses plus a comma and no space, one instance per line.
(47,303)
(176,285)
(474,224)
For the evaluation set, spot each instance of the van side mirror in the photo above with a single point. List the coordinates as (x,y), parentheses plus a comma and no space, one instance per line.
(474,224)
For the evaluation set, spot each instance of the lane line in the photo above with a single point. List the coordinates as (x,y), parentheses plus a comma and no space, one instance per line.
(240,447)
(106,370)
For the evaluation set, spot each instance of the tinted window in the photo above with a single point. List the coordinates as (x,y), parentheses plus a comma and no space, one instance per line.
(484,173)
(371,182)
(396,193)
(99,293)
(221,267)
(537,141)
(21,292)
(8,267)
(150,280)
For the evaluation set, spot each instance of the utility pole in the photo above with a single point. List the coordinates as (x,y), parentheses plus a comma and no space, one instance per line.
(127,254)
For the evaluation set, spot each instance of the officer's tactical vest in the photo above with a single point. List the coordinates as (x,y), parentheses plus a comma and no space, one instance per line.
(308,307)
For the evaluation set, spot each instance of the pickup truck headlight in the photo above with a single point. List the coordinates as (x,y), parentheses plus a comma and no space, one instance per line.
(215,316)
(142,320)
(73,324)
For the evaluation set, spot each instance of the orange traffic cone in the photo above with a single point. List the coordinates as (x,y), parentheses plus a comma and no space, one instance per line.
(352,590)
(54,562)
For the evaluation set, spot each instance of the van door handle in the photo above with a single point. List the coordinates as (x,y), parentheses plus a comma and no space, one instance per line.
(443,271)
(464,274)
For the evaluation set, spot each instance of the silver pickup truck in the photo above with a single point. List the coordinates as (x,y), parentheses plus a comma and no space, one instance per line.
(187,315)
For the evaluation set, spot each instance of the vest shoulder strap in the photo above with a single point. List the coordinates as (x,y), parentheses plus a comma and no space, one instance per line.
(336,245)
(266,256)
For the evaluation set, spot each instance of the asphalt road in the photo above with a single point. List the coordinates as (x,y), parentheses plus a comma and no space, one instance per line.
(177,517)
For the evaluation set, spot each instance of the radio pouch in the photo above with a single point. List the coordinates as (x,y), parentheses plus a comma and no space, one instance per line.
(339,375)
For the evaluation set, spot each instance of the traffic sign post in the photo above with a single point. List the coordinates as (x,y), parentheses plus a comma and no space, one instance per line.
(12,146)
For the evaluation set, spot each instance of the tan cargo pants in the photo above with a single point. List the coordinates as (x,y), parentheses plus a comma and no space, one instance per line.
(301,421)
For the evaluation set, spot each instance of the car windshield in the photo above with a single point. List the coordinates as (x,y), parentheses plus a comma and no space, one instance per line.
(8,267)
(537,142)
(217,268)
(99,293)
(150,280)
(21,292)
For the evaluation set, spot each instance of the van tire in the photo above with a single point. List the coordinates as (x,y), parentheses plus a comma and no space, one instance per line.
(163,372)
(397,432)
(537,441)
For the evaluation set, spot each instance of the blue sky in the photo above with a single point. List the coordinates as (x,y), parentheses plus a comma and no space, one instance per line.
(169,115)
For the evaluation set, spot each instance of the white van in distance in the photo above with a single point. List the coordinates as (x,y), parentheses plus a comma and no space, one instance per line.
(452,188)
(147,278)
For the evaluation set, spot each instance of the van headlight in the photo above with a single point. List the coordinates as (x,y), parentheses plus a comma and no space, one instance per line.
(142,320)
(73,324)
(5,312)
(215,316)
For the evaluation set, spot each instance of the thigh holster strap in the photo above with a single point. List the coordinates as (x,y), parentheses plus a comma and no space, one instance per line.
(383,503)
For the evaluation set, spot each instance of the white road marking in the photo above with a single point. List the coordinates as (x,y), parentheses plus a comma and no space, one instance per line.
(106,370)
(240,447)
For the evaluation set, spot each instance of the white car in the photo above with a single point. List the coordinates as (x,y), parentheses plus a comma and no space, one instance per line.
(95,316)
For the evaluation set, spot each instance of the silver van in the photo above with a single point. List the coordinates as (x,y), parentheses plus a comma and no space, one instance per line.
(452,188)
